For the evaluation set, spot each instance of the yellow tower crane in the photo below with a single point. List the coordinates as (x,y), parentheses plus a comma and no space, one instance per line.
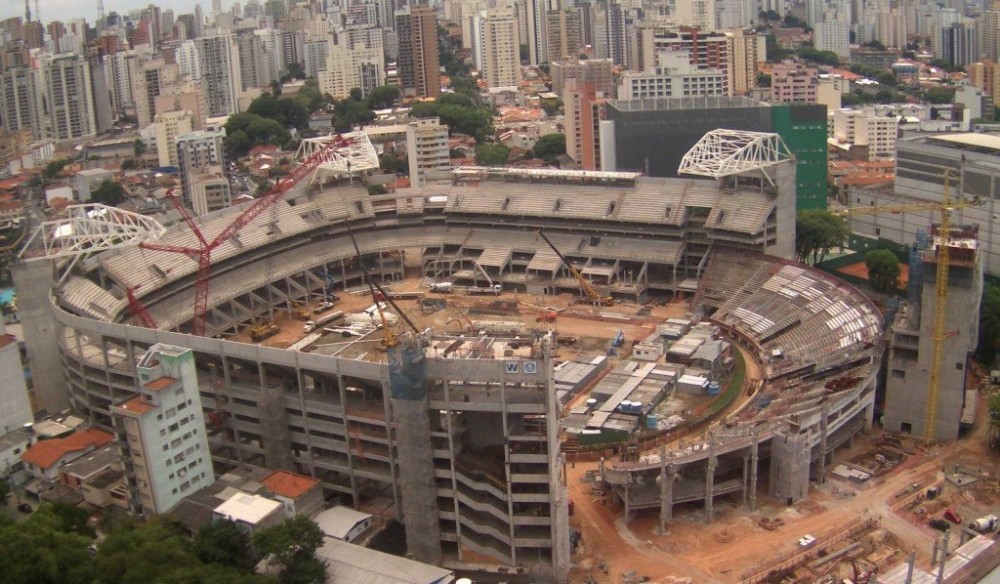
(939,332)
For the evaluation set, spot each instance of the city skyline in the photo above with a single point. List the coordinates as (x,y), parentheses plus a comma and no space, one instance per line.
(87,9)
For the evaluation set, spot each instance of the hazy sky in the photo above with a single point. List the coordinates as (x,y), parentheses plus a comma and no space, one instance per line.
(69,9)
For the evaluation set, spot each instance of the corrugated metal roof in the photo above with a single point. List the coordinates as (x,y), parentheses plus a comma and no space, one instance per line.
(352,564)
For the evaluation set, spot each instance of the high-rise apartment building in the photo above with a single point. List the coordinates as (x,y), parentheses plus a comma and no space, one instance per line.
(162,432)
(596,72)
(18,98)
(746,49)
(533,14)
(696,13)
(673,76)
(209,190)
(418,62)
(584,112)
(989,32)
(498,52)
(169,125)
(958,44)
(350,65)
(68,106)
(149,77)
(705,49)
(252,60)
(563,34)
(218,61)
(197,151)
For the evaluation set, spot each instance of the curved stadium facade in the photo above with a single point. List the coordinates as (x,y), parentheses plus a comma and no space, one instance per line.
(472,465)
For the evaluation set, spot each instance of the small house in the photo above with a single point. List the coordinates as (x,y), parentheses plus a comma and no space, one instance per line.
(343,523)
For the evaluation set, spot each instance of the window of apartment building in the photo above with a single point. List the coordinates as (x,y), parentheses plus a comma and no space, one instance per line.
(173,427)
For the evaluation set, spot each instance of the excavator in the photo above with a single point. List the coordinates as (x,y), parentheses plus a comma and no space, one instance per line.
(380,296)
(588,289)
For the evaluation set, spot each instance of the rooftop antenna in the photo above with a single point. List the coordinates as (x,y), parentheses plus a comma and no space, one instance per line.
(100,13)
(38,15)
(27,10)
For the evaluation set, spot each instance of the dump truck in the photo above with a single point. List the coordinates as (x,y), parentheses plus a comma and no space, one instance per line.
(265,330)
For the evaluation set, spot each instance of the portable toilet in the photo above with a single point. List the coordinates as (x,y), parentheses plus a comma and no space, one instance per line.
(651,421)
(713,388)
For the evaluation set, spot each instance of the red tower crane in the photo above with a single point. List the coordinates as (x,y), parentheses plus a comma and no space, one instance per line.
(203,253)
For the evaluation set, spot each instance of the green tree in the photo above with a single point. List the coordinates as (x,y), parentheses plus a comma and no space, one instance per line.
(377,189)
(817,231)
(552,106)
(492,154)
(817,56)
(223,542)
(384,97)
(939,95)
(550,146)
(41,552)
(109,193)
(989,326)
(775,52)
(4,485)
(874,45)
(54,167)
(293,545)
(883,270)
(139,147)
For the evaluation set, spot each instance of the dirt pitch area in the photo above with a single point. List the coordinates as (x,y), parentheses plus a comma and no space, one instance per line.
(860,270)
(695,552)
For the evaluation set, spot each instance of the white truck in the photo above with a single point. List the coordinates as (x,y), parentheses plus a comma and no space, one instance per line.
(443,287)
(312,325)
(495,290)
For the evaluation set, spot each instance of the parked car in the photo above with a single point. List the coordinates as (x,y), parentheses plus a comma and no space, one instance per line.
(953,516)
(939,524)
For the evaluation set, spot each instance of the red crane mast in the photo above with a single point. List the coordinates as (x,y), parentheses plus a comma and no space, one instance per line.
(203,253)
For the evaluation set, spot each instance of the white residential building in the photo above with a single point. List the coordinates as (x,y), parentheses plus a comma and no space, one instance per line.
(350,65)
(833,34)
(163,430)
(674,76)
(197,151)
(67,104)
(866,128)
(498,48)
(699,13)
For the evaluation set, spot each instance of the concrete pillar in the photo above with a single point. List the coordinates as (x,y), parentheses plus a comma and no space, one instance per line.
(625,500)
(416,459)
(710,485)
(667,474)
(274,428)
(753,472)
(33,280)
(823,435)
(746,464)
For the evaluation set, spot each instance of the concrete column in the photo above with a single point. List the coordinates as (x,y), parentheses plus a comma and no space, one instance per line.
(33,280)
(823,435)
(625,500)
(667,476)
(746,463)
(710,485)
(753,472)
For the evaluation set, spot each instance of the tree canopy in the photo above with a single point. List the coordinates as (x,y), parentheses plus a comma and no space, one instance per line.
(989,326)
(883,270)
(492,154)
(109,193)
(939,95)
(246,130)
(42,551)
(550,146)
(383,97)
(817,56)
(817,231)
(293,545)
(460,113)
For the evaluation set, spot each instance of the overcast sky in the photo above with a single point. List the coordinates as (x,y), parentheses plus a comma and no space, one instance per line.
(70,9)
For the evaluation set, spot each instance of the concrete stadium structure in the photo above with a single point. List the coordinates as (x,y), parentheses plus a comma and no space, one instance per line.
(467,447)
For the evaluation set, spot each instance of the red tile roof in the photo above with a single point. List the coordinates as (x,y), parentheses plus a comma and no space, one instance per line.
(288,484)
(135,405)
(45,453)
(160,383)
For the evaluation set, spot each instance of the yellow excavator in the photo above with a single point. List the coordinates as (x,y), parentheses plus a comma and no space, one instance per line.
(588,289)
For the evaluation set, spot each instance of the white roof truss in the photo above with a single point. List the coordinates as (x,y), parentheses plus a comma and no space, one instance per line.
(354,153)
(722,153)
